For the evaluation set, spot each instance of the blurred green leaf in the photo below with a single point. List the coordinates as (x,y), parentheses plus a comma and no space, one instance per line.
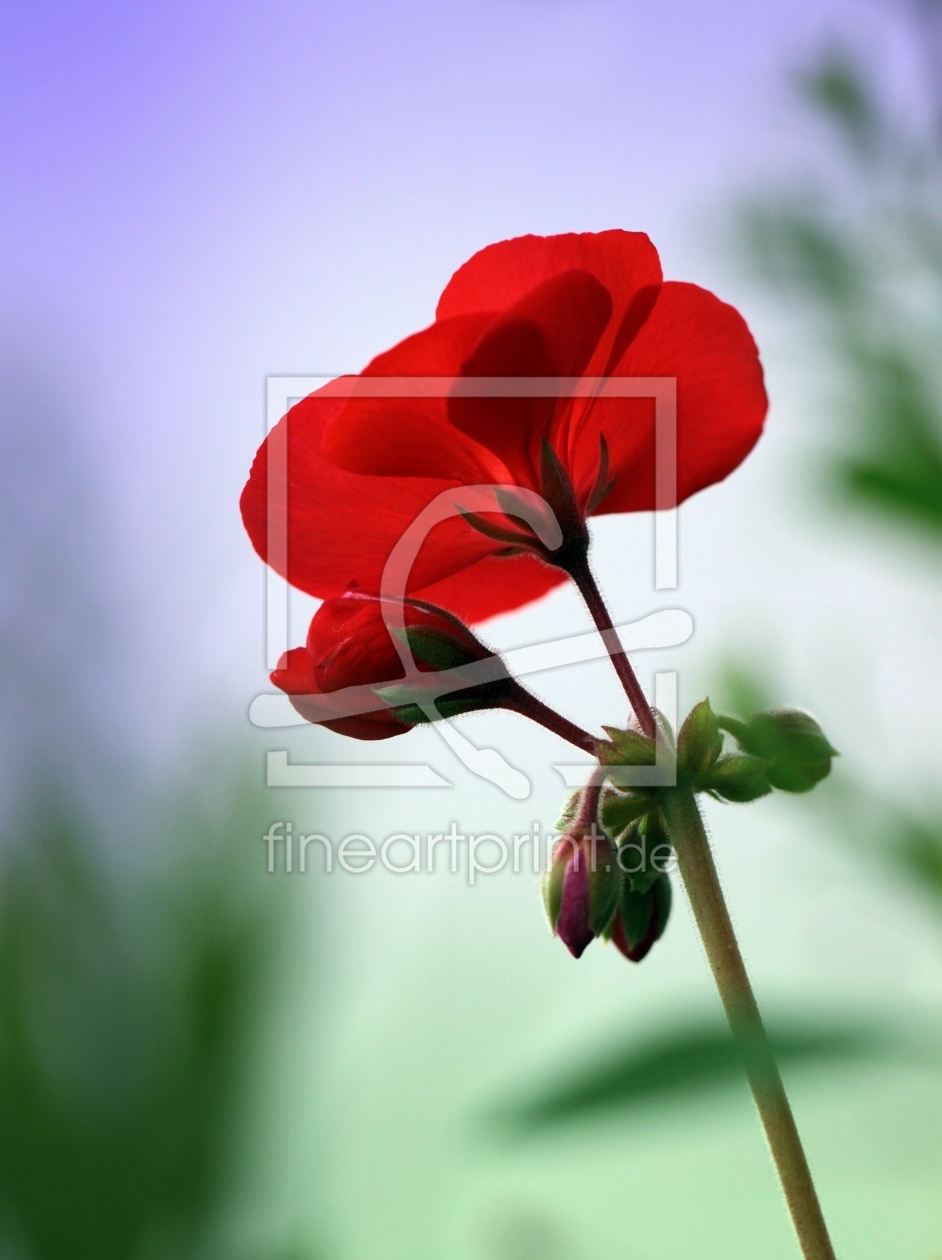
(836,85)
(792,245)
(863,255)
(126,1002)
(680,1066)
(904,842)
(744,686)
(919,853)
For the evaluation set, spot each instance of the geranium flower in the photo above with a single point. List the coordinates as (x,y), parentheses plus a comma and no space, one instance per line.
(360,470)
(349,648)
(354,678)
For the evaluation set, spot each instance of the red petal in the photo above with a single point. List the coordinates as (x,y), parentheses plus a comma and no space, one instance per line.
(350,645)
(721,401)
(496,277)
(341,527)
(552,331)
(412,437)
(295,676)
(494,585)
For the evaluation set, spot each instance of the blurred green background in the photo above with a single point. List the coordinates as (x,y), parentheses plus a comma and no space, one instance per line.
(202,1059)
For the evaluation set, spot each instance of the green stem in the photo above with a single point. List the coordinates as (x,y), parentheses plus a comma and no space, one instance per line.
(699,874)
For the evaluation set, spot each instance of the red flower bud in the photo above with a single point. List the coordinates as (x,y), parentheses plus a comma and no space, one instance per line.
(581,889)
(349,645)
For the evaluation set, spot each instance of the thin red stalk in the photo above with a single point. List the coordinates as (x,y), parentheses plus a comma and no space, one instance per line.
(588,813)
(528,705)
(581,574)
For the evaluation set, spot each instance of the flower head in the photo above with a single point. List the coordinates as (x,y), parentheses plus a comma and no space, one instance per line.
(351,651)
(562,309)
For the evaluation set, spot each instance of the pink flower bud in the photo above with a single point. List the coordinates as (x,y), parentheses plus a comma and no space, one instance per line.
(581,889)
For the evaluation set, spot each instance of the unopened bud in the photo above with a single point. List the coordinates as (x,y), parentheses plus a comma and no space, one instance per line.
(642,918)
(581,889)
(792,742)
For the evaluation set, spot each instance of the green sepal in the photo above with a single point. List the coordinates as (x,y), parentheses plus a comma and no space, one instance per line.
(645,914)
(439,649)
(442,708)
(699,743)
(646,836)
(625,748)
(665,899)
(605,888)
(792,741)
(620,809)
(553,879)
(433,647)
(738,777)
(569,811)
(636,910)
(515,537)
(603,483)
(556,489)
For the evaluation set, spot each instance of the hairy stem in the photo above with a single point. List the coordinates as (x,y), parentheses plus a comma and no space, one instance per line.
(581,574)
(699,874)
(528,705)
(586,818)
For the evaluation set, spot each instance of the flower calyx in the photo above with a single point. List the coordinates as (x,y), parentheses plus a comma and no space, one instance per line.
(702,767)
(645,854)
(557,491)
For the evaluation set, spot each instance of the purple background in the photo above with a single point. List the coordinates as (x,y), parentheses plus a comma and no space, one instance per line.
(196,196)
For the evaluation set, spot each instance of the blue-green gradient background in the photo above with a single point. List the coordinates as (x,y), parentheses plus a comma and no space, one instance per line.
(193,197)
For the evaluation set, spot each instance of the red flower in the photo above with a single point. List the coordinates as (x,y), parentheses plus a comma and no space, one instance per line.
(349,646)
(360,470)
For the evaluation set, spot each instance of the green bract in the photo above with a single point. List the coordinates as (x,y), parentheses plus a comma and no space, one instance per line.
(626,748)
(620,809)
(699,744)
(738,778)
(784,749)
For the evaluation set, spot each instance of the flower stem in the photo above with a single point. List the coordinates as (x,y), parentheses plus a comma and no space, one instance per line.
(528,705)
(582,575)
(699,874)
(586,818)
